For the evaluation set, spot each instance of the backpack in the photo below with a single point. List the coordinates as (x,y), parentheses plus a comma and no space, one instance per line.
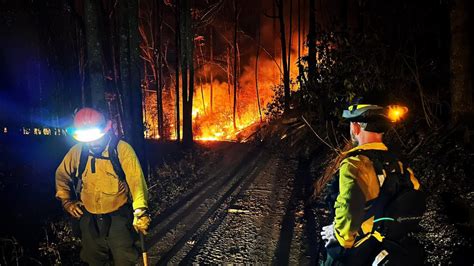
(113,157)
(399,208)
(397,211)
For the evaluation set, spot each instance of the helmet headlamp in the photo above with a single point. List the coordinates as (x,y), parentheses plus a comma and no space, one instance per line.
(89,125)
(88,134)
(377,117)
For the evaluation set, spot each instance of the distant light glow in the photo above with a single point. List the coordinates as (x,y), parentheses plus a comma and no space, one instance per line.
(88,135)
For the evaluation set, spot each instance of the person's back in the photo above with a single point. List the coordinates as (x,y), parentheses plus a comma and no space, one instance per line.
(370,177)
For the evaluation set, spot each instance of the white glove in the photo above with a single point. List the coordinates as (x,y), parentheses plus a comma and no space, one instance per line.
(327,234)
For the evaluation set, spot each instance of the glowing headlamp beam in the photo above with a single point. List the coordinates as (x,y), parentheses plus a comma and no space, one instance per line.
(88,135)
(396,112)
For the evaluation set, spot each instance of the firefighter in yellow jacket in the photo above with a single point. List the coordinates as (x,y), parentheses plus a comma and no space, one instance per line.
(100,183)
(369,178)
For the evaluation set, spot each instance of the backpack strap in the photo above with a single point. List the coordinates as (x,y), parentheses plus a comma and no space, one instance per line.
(84,157)
(114,158)
(77,179)
(385,165)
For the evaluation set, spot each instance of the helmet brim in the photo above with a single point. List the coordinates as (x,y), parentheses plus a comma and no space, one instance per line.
(90,134)
(84,136)
(360,114)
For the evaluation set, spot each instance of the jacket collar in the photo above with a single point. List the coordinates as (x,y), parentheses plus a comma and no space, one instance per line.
(368,146)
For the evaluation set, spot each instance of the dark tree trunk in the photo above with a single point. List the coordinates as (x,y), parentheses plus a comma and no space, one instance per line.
(130,70)
(290,31)
(177,65)
(228,73)
(159,60)
(256,67)
(286,70)
(299,30)
(312,71)
(460,62)
(96,83)
(312,45)
(187,70)
(115,106)
(135,81)
(343,15)
(124,60)
(201,63)
(211,59)
(236,18)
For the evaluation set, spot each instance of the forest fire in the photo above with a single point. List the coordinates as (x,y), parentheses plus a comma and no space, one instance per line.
(214,127)
(237,70)
(212,112)
(215,121)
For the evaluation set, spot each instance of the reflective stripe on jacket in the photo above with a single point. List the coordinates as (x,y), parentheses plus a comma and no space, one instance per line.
(358,184)
(102,192)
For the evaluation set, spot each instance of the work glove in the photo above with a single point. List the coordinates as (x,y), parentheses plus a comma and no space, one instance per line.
(73,207)
(141,221)
(327,234)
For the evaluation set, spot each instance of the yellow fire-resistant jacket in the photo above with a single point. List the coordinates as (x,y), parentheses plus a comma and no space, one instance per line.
(357,185)
(102,192)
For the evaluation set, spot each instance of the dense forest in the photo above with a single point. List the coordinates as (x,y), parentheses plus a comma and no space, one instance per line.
(193,72)
(207,70)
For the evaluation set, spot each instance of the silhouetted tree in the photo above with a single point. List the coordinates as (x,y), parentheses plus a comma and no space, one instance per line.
(187,69)
(177,66)
(236,23)
(461,61)
(130,75)
(312,44)
(284,56)
(96,83)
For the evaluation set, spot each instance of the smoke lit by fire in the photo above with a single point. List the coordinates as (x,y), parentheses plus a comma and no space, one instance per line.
(215,121)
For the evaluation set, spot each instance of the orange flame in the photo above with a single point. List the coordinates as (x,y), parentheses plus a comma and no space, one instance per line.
(215,122)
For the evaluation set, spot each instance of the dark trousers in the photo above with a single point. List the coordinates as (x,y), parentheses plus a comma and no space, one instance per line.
(362,255)
(406,252)
(118,239)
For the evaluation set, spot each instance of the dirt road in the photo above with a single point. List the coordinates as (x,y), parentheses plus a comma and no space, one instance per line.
(249,209)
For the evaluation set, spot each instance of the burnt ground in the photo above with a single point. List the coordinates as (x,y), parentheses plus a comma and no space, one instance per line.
(226,202)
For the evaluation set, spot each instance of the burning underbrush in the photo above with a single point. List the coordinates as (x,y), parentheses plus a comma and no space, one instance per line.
(220,110)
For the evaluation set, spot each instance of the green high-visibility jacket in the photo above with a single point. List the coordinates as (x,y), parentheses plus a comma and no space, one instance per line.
(358,184)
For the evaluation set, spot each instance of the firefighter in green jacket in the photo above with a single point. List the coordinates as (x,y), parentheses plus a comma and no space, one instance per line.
(106,204)
(352,238)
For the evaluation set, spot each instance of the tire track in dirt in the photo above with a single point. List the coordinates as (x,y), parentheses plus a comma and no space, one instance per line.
(297,243)
(252,236)
(203,237)
(179,222)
